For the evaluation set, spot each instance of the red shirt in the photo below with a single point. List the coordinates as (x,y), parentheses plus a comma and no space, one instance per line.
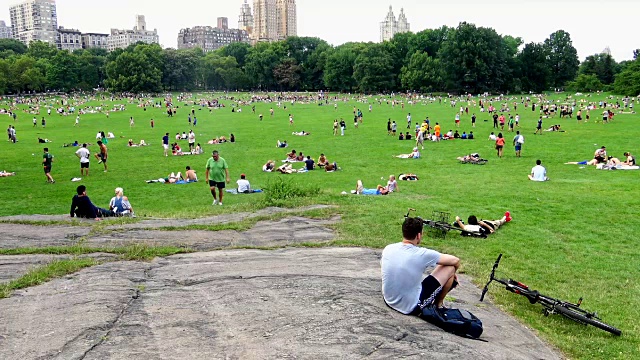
(500,142)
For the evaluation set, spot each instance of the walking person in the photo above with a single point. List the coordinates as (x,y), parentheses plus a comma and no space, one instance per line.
(102,155)
(518,140)
(83,154)
(47,160)
(77,121)
(343,126)
(500,144)
(217,174)
(539,127)
(192,141)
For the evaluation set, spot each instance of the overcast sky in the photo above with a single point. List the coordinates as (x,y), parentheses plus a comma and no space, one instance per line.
(593,25)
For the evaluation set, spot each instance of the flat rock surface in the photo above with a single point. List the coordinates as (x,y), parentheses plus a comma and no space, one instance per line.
(16,236)
(14,266)
(242,304)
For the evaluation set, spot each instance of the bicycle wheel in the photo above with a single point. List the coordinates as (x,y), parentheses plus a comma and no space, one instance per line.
(581,318)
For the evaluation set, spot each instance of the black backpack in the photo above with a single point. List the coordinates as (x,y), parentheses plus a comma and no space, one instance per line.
(456,321)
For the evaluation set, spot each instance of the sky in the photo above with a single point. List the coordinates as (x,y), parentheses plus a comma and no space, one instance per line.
(593,25)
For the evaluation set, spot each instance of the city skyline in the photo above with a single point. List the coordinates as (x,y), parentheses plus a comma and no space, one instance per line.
(338,22)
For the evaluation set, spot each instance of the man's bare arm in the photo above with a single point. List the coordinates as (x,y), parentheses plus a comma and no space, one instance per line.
(449,260)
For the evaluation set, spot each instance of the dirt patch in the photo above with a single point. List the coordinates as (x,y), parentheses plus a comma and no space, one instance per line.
(249,304)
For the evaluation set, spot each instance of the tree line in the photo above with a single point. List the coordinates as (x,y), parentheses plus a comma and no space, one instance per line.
(466,59)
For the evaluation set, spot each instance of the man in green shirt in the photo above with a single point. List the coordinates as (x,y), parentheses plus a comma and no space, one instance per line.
(217,174)
(47,159)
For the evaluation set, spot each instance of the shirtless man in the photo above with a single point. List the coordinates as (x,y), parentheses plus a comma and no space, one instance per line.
(102,155)
(190,175)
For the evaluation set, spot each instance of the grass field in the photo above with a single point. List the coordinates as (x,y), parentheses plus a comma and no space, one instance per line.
(572,237)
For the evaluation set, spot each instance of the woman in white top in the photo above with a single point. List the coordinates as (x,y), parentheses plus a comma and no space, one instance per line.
(392,186)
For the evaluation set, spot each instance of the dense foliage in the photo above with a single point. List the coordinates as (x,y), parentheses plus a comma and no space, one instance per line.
(466,59)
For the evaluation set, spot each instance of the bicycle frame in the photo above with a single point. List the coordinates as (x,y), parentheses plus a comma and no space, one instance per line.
(551,305)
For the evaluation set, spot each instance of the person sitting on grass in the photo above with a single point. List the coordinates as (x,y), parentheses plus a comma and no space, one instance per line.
(538,173)
(300,157)
(630,159)
(292,156)
(309,164)
(322,161)
(392,186)
(82,207)
(191,175)
(244,187)
(332,167)
(485,227)
(269,166)
(120,205)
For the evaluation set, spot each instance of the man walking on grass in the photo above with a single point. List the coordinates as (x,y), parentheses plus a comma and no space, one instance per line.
(403,265)
(102,155)
(217,174)
(47,160)
(518,140)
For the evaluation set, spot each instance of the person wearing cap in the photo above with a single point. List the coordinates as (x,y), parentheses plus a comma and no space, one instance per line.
(243,185)
(119,204)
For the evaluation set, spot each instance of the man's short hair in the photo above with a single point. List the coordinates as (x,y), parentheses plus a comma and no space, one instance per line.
(538,162)
(411,228)
(215,152)
(472,220)
(188,167)
(84,145)
(99,142)
(81,189)
(46,149)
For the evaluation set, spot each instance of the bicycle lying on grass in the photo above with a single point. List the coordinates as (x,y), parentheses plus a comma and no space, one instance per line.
(551,305)
(442,226)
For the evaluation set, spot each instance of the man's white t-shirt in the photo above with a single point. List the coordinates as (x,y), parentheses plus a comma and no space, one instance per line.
(243,185)
(539,173)
(476,229)
(84,155)
(403,267)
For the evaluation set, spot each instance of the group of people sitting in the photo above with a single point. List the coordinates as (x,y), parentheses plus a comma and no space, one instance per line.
(82,207)
(601,159)
(456,135)
(177,150)
(173,178)
(222,139)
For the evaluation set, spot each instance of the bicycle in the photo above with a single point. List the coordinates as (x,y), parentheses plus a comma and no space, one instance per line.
(443,226)
(551,305)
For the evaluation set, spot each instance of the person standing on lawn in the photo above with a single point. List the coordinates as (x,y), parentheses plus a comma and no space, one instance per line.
(102,155)
(83,154)
(217,174)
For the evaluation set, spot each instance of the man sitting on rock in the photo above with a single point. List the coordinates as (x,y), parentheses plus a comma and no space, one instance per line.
(403,265)
(82,207)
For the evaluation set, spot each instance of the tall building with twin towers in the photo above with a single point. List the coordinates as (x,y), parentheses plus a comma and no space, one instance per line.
(392,26)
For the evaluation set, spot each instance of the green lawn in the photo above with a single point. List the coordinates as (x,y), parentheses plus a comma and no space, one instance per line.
(572,237)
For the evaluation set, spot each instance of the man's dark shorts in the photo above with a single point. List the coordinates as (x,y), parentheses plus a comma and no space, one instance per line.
(219,185)
(430,290)
(84,165)
(47,169)
(103,158)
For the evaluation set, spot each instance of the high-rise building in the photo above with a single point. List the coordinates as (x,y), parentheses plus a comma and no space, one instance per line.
(69,39)
(245,20)
(120,39)
(264,21)
(223,23)
(390,26)
(209,38)
(5,31)
(94,40)
(403,24)
(35,20)
(286,18)
(274,20)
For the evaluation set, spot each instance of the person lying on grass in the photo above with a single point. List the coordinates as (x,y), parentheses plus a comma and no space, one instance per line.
(482,226)
(408,177)
(4,173)
(301,133)
(414,155)
(470,158)
(269,166)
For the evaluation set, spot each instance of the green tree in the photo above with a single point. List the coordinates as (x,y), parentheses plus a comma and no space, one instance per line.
(287,74)
(42,50)
(421,73)
(338,71)
(137,69)
(534,73)
(601,65)
(259,64)
(63,72)
(585,83)
(10,47)
(373,69)
(562,58)
(238,50)
(628,81)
